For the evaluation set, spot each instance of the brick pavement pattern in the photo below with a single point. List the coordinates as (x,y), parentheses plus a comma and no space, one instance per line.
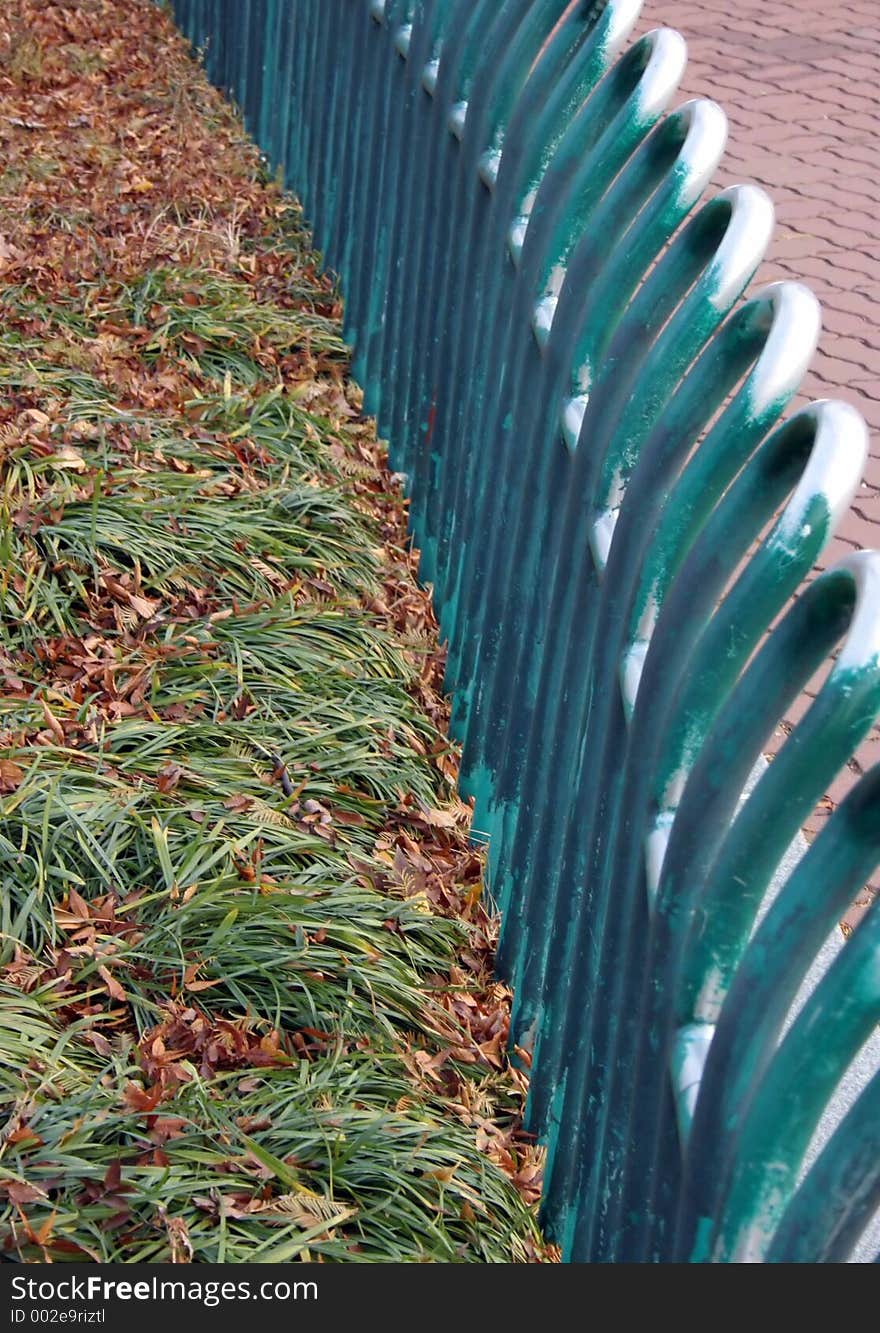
(800,83)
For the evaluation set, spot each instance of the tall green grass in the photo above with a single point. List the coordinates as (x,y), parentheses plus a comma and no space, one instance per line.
(227,1019)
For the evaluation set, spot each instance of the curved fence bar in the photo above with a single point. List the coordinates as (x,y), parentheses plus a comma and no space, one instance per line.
(613,511)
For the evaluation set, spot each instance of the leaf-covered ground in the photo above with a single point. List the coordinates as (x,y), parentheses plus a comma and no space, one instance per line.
(246,1005)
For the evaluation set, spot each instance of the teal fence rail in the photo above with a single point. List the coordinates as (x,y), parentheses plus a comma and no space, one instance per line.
(550,323)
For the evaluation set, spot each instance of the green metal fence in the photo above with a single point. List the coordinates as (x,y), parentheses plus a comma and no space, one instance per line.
(548,324)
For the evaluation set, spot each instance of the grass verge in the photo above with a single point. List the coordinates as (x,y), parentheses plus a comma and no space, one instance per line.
(246,1004)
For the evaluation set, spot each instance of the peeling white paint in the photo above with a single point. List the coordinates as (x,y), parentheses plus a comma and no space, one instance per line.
(516,237)
(631,669)
(601,537)
(833,471)
(402,39)
(542,319)
(702,149)
(489,165)
(621,17)
(573,414)
(656,844)
(687,1061)
(744,244)
(457,118)
(861,647)
(662,74)
(430,75)
(791,342)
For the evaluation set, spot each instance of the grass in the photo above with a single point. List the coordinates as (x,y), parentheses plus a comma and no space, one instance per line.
(214,748)
(332,1160)
(246,1004)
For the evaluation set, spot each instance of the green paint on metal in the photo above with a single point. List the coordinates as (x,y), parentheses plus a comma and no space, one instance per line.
(546,325)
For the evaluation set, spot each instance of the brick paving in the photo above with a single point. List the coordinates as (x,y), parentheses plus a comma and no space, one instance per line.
(800,83)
